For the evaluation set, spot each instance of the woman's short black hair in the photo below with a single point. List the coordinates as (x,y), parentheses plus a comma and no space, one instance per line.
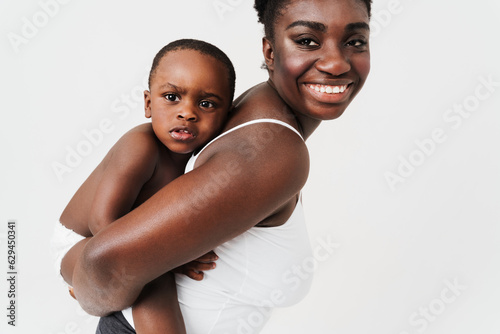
(202,47)
(269,10)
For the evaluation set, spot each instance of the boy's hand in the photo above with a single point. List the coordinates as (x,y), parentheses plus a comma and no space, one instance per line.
(195,268)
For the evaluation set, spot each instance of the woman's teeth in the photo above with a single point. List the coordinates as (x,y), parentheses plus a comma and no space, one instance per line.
(329,89)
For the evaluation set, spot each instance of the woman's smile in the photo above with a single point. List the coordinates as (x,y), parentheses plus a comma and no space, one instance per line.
(329,93)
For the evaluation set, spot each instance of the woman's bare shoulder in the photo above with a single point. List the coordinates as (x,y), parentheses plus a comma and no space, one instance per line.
(260,101)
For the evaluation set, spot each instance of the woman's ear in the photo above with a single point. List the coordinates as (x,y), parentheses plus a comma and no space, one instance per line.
(147,103)
(267,50)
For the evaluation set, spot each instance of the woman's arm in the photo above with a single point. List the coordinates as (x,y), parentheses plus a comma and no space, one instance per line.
(247,176)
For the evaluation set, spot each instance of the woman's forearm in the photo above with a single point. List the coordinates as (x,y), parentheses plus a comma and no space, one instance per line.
(99,289)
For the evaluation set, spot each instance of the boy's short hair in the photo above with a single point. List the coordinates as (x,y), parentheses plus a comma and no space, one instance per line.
(202,47)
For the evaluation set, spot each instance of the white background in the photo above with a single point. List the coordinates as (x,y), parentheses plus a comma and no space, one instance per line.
(397,247)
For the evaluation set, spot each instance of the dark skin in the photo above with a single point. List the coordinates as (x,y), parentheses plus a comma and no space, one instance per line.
(188,103)
(180,227)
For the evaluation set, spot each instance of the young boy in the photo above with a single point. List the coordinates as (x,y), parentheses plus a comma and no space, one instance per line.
(191,88)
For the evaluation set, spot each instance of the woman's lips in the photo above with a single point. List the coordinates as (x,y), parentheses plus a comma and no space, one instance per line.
(329,93)
(328,89)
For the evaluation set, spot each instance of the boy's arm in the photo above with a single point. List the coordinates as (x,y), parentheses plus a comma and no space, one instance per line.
(124,170)
(127,167)
(246,178)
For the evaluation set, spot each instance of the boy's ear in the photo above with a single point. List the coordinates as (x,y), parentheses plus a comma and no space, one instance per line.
(147,103)
(268,51)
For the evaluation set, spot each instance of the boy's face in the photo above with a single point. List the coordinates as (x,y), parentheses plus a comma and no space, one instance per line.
(189,100)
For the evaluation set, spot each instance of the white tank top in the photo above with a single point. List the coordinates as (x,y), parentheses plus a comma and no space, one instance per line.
(256,271)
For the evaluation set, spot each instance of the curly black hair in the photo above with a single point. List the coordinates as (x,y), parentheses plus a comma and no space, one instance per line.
(202,47)
(269,10)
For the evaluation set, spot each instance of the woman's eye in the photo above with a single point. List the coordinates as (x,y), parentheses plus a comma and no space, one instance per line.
(358,43)
(171,97)
(206,104)
(307,42)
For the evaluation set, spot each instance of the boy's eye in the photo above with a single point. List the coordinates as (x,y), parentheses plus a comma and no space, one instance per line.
(172,97)
(207,104)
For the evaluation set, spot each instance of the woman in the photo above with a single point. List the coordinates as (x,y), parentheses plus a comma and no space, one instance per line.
(246,184)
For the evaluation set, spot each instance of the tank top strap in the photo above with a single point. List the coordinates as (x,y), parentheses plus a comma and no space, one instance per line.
(191,162)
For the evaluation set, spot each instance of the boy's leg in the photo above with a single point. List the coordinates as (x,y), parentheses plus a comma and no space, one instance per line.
(157,308)
(63,239)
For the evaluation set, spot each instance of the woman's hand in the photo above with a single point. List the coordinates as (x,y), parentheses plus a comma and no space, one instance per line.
(195,268)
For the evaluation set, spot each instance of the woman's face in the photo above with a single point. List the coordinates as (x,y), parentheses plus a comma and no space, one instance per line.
(320,57)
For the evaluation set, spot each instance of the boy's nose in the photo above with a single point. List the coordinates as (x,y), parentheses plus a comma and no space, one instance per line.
(187,114)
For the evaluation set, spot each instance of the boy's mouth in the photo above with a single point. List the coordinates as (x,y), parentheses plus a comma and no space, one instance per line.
(182,133)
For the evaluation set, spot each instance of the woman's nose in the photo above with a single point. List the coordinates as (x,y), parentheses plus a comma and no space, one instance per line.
(333,61)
